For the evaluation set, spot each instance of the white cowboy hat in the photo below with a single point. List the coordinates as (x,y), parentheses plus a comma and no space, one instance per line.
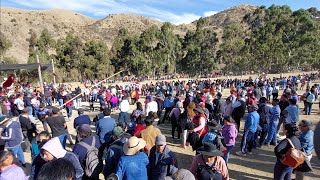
(133,146)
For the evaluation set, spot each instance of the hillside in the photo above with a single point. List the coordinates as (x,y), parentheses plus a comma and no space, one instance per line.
(15,24)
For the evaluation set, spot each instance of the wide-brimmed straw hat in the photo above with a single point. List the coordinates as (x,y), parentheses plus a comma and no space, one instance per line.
(133,146)
(210,149)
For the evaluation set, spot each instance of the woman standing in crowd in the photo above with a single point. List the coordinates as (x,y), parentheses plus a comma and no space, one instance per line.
(185,118)
(8,170)
(133,163)
(209,156)
(282,171)
(229,133)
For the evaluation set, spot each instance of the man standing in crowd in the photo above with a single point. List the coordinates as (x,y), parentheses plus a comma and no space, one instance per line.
(19,103)
(28,129)
(306,140)
(168,106)
(12,136)
(81,149)
(114,151)
(104,128)
(162,161)
(150,133)
(273,123)
(124,107)
(250,129)
(219,108)
(58,126)
(291,112)
(152,106)
(81,119)
(239,109)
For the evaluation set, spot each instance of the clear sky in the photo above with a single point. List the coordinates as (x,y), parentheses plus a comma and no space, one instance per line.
(175,11)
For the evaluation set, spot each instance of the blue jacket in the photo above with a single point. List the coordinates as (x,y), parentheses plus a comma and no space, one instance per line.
(75,161)
(12,134)
(275,114)
(133,167)
(112,157)
(168,102)
(104,128)
(81,151)
(166,165)
(306,140)
(252,122)
(81,119)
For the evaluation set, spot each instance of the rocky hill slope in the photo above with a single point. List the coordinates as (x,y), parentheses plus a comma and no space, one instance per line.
(16,23)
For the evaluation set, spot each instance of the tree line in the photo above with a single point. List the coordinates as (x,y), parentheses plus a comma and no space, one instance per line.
(274,39)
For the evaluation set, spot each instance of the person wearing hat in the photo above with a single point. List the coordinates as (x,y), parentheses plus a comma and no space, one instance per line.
(306,139)
(114,151)
(133,163)
(28,129)
(84,134)
(250,129)
(174,117)
(81,119)
(12,136)
(162,161)
(57,125)
(181,174)
(209,156)
(150,133)
(214,135)
(8,170)
(85,138)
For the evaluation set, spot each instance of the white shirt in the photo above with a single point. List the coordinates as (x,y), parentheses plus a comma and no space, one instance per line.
(19,103)
(152,106)
(124,106)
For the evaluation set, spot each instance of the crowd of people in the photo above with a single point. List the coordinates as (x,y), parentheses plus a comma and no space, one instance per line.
(133,146)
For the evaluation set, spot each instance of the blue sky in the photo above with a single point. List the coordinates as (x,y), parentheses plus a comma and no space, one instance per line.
(175,11)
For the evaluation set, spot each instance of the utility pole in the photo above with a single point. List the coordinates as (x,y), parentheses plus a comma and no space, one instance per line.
(54,75)
(39,72)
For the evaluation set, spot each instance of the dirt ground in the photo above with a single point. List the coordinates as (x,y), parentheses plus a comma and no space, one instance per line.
(259,165)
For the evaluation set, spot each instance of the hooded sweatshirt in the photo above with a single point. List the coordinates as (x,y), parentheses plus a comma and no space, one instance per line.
(54,147)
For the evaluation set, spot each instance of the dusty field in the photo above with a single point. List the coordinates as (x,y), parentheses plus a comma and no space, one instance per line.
(259,165)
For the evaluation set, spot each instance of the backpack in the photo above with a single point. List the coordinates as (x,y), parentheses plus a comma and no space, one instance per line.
(293,157)
(92,163)
(310,98)
(205,172)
